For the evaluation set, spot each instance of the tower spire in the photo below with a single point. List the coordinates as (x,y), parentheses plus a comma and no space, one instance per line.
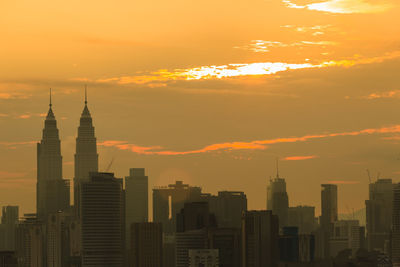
(50,105)
(85,94)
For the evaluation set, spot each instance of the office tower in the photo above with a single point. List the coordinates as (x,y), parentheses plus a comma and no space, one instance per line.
(136,199)
(8,259)
(146,244)
(228,208)
(396,226)
(52,191)
(346,235)
(102,221)
(329,214)
(168,201)
(289,244)
(30,242)
(228,243)
(260,235)
(185,241)
(86,157)
(9,221)
(169,248)
(203,258)
(194,216)
(379,214)
(303,217)
(277,199)
(306,247)
(58,238)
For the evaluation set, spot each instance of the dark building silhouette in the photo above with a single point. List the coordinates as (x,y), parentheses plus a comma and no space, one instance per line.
(52,191)
(8,259)
(86,157)
(9,221)
(146,245)
(395,244)
(228,207)
(136,198)
(102,221)
(289,244)
(168,201)
(228,243)
(278,200)
(194,216)
(260,237)
(303,217)
(379,209)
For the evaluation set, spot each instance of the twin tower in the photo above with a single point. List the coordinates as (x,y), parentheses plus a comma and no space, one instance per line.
(53,192)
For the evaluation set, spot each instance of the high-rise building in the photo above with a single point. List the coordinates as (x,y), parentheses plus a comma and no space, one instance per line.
(289,244)
(228,207)
(396,226)
(203,258)
(329,214)
(52,191)
(136,199)
(194,216)
(303,217)
(9,221)
(228,243)
(86,157)
(278,200)
(102,221)
(346,235)
(185,241)
(146,245)
(260,237)
(168,201)
(379,208)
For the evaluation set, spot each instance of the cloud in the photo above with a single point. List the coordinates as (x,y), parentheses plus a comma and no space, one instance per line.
(389,94)
(261,46)
(252,145)
(343,6)
(315,30)
(160,78)
(14,144)
(6,174)
(294,158)
(3,115)
(8,96)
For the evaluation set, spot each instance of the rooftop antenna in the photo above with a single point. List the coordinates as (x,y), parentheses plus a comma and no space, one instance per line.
(369,176)
(50,99)
(277,168)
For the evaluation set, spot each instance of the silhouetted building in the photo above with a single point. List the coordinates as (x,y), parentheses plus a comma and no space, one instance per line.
(303,217)
(9,221)
(203,258)
(30,242)
(260,237)
(228,243)
(168,201)
(146,245)
(396,226)
(228,207)
(278,200)
(136,198)
(329,214)
(102,221)
(86,157)
(306,247)
(169,250)
(379,208)
(8,259)
(194,216)
(185,241)
(289,244)
(347,234)
(52,191)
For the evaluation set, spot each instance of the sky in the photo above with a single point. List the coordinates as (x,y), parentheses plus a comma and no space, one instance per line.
(209,92)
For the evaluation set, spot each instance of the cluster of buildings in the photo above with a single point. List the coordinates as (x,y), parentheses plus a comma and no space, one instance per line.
(108,224)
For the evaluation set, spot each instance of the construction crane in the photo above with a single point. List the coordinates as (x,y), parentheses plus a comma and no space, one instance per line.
(109,165)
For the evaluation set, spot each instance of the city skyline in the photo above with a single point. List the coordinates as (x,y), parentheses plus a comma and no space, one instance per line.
(207,93)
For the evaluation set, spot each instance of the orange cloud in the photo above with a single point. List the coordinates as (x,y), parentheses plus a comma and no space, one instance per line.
(389,94)
(264,46)
(13,144)
(300,157)
(342,6)
(253,145)
(6,174)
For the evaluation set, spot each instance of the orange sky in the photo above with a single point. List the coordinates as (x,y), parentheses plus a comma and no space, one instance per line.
(209,92)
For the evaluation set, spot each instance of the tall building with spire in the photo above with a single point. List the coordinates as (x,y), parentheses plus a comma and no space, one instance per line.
(52,191)
(86,157)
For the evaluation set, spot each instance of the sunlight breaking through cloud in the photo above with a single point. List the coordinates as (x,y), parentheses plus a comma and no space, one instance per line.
(264,46)
(342,6)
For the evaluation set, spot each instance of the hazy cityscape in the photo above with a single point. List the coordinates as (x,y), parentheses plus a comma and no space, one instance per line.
(108,223)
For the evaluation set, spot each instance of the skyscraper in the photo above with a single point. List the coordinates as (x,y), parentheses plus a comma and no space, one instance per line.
(396,226)
(9,221)
(102,221)
(260,235)
(86,157)
(379,209)
(136,199)
(303,217)
(52,191)
(277,199)
(329,214)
